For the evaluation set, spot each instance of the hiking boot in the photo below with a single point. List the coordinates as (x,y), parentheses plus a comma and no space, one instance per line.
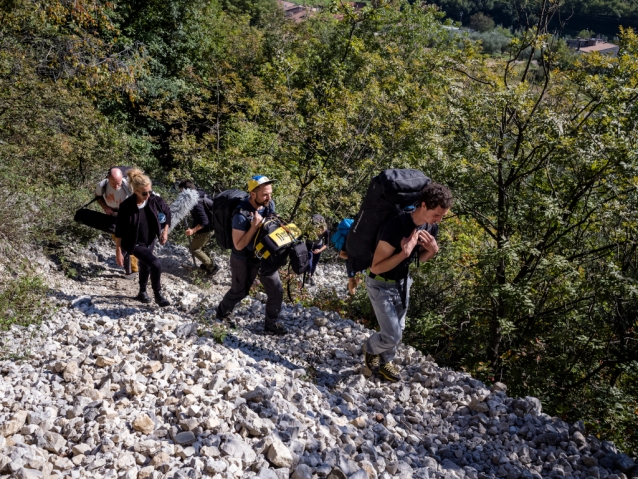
(143,297)
(390,372)
(161,301)
(277,328)
(213,271)
(372,361)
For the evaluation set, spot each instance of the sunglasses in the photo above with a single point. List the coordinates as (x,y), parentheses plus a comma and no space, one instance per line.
(144,194)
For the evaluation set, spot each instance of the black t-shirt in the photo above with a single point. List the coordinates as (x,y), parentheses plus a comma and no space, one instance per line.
(393,233)
(146,232)
(323,239)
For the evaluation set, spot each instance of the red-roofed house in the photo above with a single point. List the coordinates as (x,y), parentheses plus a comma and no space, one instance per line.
(589,45)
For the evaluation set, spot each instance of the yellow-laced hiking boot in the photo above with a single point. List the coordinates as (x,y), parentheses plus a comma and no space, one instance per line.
(390,372)
(372,361)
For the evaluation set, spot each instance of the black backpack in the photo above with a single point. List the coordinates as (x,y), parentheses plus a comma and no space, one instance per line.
(209,204)
(222,208)
(300,258)
(388,194)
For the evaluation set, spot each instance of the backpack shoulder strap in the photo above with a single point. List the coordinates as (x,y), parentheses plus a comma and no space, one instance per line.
(125,186)
(92,201)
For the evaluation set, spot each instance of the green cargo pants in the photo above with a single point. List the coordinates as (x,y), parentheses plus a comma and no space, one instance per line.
(198,241)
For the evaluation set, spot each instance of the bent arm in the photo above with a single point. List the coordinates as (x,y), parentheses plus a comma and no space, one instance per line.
(102,203)
(242,238)
(200,218)
(384,258)
(194,229)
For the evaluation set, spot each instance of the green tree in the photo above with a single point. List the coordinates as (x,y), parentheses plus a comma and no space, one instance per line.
(481,22)
(543,164)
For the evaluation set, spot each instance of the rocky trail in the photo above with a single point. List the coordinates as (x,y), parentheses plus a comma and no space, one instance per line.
(108,387)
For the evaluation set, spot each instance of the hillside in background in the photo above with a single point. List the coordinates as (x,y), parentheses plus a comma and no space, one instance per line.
(573,16)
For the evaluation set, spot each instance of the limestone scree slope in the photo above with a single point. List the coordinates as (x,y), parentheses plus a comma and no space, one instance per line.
(107,387)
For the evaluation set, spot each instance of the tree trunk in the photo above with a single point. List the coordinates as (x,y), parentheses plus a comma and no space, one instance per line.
(500,310)
(300,197)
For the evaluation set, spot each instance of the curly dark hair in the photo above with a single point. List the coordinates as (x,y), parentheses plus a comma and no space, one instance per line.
(436,194)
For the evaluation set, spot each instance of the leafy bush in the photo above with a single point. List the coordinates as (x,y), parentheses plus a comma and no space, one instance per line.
(493,42)
(22,300)
(481,22)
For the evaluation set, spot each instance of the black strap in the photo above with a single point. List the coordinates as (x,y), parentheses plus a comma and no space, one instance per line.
(92,201)
(402,286)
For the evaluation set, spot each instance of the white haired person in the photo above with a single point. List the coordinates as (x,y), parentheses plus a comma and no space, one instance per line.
(110,193)
(143,218)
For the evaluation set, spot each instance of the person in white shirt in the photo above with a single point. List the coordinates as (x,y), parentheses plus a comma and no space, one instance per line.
(111,192)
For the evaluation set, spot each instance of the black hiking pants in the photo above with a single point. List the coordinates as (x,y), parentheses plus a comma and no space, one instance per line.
(149,265)
(244,272)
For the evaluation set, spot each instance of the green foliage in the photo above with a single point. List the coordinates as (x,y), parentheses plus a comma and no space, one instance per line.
(536,284)
(219,333)
(54,143)
(585,34)
(22,300)
(261,12)
(357,307)
(493,42)
(481,22)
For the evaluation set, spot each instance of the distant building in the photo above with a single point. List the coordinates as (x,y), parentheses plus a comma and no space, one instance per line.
(295,12)
(588,45)
(298,13)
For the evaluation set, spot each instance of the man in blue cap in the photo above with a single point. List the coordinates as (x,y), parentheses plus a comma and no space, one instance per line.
(244,266)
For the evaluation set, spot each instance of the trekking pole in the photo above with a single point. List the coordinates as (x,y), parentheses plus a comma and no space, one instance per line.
(190,242)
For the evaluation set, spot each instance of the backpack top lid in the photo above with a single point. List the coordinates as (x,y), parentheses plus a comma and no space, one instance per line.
(388,194)
(402,187)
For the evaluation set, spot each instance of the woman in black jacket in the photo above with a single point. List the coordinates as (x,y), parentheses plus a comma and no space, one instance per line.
(142,218)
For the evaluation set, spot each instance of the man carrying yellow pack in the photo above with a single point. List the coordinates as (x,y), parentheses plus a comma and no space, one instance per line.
(244,266)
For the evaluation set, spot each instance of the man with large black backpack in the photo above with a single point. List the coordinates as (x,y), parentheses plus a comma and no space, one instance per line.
(244,265)
(406,237)
(202,229)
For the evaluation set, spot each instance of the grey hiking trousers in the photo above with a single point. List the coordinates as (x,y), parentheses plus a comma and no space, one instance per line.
(390,312)
(244,272)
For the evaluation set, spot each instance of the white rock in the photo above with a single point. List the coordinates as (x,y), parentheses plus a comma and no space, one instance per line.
(279,454)
(143,423)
